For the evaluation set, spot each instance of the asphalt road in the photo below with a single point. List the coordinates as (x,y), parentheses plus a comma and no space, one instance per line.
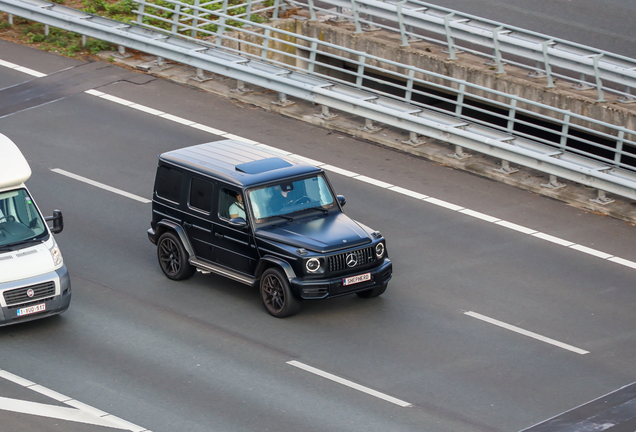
(607,25)
(203,355)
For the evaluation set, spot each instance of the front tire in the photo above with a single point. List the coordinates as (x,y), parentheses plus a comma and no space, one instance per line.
(276,294)
(173,258)
(373,292)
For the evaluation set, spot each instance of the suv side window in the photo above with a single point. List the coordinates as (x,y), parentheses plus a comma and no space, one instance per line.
(201,194)
(168,184)
(231,204)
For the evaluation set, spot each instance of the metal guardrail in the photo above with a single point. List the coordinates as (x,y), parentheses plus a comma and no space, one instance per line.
(501,44)
(565,156)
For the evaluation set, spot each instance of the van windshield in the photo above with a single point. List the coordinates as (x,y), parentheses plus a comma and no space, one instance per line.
(20,219)
(291,196)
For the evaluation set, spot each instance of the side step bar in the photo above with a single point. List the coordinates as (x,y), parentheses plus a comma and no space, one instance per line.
(214,268)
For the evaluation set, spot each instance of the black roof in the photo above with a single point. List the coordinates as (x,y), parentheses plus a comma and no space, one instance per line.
(237,163)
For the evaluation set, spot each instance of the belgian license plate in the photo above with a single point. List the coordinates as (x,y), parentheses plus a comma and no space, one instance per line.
(32,309)
(356,279)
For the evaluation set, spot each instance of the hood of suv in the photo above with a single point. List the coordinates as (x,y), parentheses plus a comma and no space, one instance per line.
(323,234)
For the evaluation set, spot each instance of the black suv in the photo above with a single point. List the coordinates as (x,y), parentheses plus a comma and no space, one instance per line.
(238,210)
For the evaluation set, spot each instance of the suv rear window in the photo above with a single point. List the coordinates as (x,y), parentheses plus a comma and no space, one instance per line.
(169,183)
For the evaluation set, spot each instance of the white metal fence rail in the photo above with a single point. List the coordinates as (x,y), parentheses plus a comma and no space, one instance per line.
(545,56)
(566,155)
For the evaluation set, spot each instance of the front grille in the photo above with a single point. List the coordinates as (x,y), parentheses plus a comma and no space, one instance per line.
(19,295)
(339,262)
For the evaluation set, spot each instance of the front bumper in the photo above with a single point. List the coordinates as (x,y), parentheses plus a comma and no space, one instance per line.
(55,304)
(333,287)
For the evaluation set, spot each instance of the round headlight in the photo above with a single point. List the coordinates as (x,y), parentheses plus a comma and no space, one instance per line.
(312,265)
(379,250)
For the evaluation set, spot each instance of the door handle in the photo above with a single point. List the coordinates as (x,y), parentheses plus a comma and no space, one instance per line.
(219,235)
(187,225)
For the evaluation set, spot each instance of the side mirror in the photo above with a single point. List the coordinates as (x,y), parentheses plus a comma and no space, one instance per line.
(238,223)
(342,200)
(58,222)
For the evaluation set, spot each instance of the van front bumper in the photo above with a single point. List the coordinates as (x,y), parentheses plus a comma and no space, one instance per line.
(55,301)
(315,289)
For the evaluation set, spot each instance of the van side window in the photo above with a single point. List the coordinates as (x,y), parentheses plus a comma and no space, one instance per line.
(201,194)
(169,183)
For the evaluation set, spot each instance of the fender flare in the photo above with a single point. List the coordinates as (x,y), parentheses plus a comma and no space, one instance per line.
(284,265)
(178,229)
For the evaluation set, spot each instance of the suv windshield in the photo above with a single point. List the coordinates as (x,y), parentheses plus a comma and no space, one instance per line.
(291,196)
(19,218)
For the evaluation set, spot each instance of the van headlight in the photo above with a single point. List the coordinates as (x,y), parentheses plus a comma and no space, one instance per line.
(56,255)
(312,265)
(379,250)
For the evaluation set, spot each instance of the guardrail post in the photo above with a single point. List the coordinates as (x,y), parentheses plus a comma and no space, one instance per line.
(506,168)
(356,17)
(369,127)
(449,39)
(240,88)
(274,14)
(511,115)
(601,198)
(599,83)
(265,45)
(325,114)
(221,25)
(459,153)
(460,100)
(619,148)
(360,72)
(398,7)
(553,183)
(10,19)
(140,13)
(83,40)
(414,140)
(248,10)
(283,101)
(121,52)
(195,21)
(565,129)
(312,10)
(175,20)
(409,85)
(201,76)
(546,62)
(498,59)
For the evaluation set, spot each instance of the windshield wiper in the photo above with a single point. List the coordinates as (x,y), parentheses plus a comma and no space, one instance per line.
(20,244)
(289,218)
(319,208)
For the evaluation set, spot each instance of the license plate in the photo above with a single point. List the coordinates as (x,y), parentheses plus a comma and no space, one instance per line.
(356,279)
(32,309)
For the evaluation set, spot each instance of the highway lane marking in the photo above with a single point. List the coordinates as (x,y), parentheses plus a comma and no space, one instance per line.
(101,185)
(348,383)
(526,332)
(79,413)
(347,173)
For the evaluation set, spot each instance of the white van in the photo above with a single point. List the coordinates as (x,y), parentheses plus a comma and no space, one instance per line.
(34,282)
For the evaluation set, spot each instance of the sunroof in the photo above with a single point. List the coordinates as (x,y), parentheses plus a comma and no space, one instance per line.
(263,165)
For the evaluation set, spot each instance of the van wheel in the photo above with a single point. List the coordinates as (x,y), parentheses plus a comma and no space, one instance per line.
(277,295)
(373,292)
(173,257)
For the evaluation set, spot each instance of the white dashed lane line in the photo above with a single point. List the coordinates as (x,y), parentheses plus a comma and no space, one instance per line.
(526,332)
(101,185)
(350,384)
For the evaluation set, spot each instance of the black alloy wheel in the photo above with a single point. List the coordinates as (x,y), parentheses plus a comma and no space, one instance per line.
(276,294)
(173,257)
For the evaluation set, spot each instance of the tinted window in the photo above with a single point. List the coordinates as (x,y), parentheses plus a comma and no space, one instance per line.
(231,204)
(201,194)
(169,183)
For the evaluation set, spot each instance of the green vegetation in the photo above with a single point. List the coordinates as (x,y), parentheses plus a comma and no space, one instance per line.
(70,44)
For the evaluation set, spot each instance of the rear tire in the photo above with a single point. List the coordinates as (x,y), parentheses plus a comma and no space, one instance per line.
(373,292)
(276,294)
(173,258)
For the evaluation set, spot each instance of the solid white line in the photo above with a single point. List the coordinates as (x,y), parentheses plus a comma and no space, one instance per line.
(478,215)
(526,332)
(147,109)
(176,119)
(15,379)
(516,227)
(118,100)
(591,251)
(553,239)
(373,181)
(8,64)
(56,412)
(340,171)
(101,185)
(240,138)
(408,192)
(444,204)
(208,129)
(624,262)
(348,383)
(94,92)
(30,72)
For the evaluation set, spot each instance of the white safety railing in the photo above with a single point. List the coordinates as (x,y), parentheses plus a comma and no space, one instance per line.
(544,56)
(562,144)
